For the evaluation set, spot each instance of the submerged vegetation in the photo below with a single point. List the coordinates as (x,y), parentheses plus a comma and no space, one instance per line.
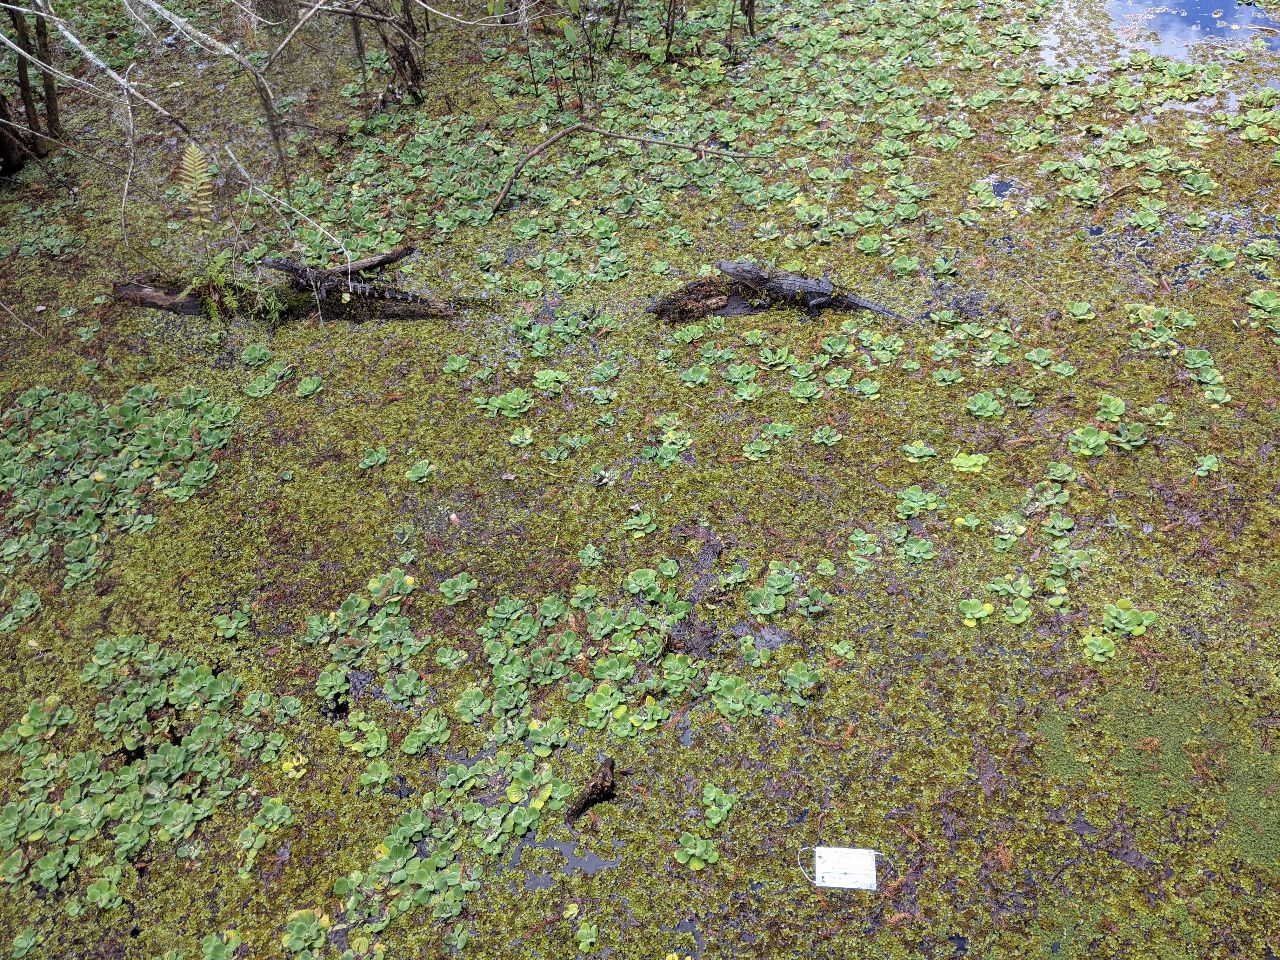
(324,617)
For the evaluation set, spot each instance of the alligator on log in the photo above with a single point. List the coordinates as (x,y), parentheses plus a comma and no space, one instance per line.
(319,283)
(747,288)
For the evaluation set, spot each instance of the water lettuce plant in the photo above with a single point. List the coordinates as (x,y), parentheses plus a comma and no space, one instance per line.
(79,473)
(696,852)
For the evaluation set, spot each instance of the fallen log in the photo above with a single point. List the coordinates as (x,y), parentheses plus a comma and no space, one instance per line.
(694,301)
(176,298)
(171,298)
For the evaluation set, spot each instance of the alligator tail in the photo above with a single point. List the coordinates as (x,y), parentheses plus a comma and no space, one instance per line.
(861,304)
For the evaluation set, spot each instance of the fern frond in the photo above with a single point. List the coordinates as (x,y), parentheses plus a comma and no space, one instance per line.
(197,183)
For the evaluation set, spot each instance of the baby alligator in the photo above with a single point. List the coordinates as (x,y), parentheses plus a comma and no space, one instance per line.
(779,286)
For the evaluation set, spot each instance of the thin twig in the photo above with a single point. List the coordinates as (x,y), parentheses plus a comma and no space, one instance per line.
(529,156)
(141,22)
(252,15)
(493,20)
(587,128)
(128,177)
(277,202)
(18,319)
(1119,191)
(302,22)
(355,14)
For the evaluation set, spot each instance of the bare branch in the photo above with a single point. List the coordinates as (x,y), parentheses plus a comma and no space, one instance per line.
(493,20)
(217,46)
(46,7)
(302,22)
(255,16)
(65,77)
(139,19)
(128,177)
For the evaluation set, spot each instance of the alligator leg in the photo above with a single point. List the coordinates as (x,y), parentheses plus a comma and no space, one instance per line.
(816,305)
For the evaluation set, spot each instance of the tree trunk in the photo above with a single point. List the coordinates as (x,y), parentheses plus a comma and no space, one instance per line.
(670,28)
(13,154)
(23,38)
(357,36)
(52,115)
(412,71)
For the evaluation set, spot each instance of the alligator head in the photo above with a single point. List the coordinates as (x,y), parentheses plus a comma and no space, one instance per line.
(742,271)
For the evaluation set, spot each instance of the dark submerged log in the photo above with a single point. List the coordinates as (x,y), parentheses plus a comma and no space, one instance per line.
(598,789)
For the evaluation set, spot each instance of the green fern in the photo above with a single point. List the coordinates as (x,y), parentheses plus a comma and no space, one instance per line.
(197,183)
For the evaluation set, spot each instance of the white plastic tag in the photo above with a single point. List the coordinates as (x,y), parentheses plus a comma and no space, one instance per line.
(851,868)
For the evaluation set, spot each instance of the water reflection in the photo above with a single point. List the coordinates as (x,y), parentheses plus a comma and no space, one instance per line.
(1170,28)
